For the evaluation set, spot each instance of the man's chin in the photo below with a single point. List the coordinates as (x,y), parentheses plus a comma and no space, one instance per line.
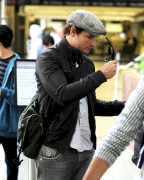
(86,52)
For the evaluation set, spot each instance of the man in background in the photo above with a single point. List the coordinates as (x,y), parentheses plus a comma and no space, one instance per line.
(9,111)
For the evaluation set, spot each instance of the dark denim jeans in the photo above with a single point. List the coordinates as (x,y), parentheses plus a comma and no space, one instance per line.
(10,150)
(52,165)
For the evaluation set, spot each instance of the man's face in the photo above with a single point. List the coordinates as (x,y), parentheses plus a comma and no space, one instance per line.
(83,41)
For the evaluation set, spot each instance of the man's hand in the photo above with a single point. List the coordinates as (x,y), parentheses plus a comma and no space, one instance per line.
(109,69)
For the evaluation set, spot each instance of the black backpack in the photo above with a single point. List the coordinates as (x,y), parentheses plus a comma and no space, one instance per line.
(30,130)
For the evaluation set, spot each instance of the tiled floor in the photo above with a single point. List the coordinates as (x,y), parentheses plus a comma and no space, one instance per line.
(123,168)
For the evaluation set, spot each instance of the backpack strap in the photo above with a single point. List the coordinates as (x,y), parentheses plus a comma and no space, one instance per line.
(17,161)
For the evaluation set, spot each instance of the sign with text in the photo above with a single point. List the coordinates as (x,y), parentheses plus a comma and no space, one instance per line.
(25,81)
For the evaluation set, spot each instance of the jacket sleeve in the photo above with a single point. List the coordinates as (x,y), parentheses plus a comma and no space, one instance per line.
(53,80)
(108,108)
(8,95)
(8,92)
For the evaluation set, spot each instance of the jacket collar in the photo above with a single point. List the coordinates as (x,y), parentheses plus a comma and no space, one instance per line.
(70,52)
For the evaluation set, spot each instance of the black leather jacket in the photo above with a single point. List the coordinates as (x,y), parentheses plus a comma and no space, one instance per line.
(60,87)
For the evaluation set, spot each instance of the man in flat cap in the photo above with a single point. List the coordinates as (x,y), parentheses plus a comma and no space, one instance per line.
(67,81)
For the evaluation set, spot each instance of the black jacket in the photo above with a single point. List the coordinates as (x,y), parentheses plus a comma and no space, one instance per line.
(60,87)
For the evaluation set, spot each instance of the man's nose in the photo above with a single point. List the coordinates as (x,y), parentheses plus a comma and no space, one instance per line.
(93,41)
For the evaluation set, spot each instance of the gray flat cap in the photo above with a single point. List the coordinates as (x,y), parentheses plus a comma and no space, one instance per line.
(87,21)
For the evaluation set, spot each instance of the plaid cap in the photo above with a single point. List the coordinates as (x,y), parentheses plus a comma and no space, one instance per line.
(86,20)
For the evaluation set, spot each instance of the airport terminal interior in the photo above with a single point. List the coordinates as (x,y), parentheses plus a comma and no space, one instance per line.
(122,20)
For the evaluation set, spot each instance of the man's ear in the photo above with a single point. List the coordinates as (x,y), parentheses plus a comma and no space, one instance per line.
(73,30)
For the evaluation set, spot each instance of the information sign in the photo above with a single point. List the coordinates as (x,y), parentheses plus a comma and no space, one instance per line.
(25,83)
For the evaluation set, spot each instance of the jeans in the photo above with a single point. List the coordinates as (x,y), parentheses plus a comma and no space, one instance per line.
(53,165)
(10,150)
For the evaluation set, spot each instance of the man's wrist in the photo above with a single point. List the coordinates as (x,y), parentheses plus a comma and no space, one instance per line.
(96,169)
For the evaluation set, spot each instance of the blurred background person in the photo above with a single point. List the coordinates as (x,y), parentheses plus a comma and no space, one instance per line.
(129,47)
(47,41)
(35,41)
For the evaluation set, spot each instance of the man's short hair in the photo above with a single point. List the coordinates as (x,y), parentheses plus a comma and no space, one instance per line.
(48,39)
(67,30)
(6,35)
